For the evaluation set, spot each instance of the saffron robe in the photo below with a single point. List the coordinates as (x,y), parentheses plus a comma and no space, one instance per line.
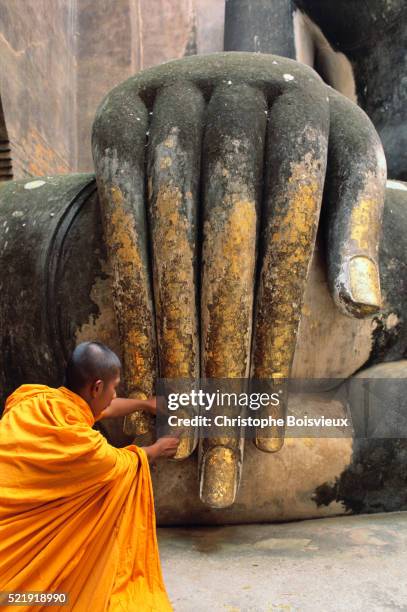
(76,514)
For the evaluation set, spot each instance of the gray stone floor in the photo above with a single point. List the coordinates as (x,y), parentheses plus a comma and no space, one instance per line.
(348,563)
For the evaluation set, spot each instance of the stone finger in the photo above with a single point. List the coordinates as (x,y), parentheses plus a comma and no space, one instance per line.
(353,208)
(173,191)
(295,171)
(118,142)
(232,171)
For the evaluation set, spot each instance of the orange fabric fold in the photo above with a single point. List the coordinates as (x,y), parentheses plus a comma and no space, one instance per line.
(76,514)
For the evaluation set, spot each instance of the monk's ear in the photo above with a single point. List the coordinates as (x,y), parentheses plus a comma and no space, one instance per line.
(97,388)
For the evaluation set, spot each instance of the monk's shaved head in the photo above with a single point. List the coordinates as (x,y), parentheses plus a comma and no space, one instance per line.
(89,362)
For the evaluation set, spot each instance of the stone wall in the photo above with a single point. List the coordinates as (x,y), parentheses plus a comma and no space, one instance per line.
(117,39)
(60,57)
(37,86)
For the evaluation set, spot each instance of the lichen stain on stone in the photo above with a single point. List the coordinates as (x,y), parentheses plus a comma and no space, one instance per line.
(131,295)
(174,286)
(104,325)
(285,268)
(171,140)
(229,255)
(165,162)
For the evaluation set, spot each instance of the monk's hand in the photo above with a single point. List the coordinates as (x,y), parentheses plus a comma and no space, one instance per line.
(163,447)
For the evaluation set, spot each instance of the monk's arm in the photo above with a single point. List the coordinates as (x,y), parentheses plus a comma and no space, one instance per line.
(122,406)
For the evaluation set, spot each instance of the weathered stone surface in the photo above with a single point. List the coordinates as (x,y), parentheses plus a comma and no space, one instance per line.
(118,39)
(330,344)
(373,35)
(210,17)
(261,26)
(341,345)
(353,209)
(69,53)
(37,51)
(44,298)
(107,51)
(160,43)
(274,486)
(390,326)
(376,479)
(173,179)
(357,47)
(232,175)
(336,565)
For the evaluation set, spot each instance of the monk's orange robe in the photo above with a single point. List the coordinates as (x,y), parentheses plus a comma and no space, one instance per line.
(76,514)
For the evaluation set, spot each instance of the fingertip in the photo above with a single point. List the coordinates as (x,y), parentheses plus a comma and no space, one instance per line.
(364,282)
(359,293)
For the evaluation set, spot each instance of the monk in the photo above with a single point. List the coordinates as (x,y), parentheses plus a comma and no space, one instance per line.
(76,514)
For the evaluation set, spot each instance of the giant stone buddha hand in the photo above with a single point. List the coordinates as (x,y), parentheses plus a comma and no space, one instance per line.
(211,172)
